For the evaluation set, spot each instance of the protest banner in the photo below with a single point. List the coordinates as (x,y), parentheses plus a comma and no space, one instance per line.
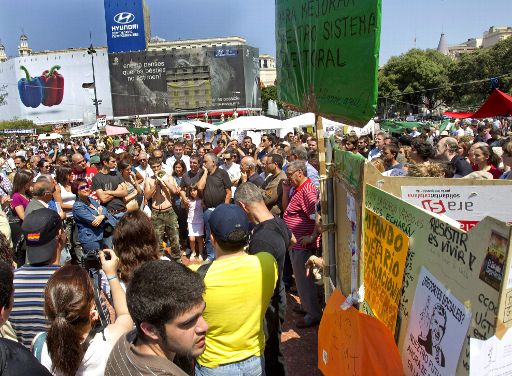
(385,251)
(83,130)
(437,329)
(327,57)
(352,343)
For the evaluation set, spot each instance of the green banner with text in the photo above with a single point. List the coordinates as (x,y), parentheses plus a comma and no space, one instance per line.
(328,55)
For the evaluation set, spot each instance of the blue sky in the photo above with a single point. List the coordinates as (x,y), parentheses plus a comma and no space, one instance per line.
(53,24)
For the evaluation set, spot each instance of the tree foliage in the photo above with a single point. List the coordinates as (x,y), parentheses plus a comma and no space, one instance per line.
(269,93)
(428,78)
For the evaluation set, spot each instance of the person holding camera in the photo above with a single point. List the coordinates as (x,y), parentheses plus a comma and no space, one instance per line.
(95,224)
(160,188)
(70,306)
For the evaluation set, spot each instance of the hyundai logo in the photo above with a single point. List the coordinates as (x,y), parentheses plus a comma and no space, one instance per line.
(124,18)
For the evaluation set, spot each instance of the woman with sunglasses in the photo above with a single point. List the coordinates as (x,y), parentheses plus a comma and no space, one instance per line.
(95,224)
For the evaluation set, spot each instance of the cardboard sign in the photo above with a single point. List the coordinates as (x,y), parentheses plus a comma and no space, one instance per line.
(437,329)
(385,251)
(466,204)
(352,343)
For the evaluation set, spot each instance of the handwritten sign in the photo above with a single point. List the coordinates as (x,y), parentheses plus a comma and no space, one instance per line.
(437,329)
(327,56)
(492,357)
(352,343)
(385,251)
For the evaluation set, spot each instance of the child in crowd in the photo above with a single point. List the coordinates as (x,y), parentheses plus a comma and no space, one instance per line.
(195,223)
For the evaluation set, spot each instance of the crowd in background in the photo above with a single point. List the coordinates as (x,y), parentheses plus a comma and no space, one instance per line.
(82,218)
(136,255)
(466,149)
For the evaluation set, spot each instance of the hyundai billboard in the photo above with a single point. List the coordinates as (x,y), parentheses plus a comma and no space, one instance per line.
(126,25)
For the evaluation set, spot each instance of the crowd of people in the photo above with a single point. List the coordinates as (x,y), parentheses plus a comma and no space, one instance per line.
(467,148)
(137,255)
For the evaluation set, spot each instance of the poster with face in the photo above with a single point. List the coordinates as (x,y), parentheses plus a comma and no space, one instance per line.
(437,329)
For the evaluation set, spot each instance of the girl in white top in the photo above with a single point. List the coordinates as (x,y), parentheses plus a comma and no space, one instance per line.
(195,223)
(72,346)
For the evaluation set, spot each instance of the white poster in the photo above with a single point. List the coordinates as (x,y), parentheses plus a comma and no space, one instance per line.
(466,204)
(492,357)
(437,329)
(83,130)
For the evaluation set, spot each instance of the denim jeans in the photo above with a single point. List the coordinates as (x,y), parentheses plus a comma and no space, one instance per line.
(210,252)
(253,366)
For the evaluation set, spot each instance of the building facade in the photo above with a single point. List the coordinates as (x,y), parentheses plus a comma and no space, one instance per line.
(268,72)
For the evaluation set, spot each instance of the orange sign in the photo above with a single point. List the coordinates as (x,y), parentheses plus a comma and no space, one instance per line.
(355,344)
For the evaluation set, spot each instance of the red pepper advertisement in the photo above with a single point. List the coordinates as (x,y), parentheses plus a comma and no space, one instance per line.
(46,89)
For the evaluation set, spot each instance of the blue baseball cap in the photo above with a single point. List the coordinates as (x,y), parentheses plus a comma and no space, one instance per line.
(228,219)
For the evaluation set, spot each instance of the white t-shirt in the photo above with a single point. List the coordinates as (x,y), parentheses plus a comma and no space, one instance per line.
(94,361)
(195,211)
(172,159)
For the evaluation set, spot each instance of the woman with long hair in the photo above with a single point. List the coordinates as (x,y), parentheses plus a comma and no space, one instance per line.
(65,198)
(507,159)
(75,344)
(21,186)
(178,170)
(135,242)
(130,181)
(483,158)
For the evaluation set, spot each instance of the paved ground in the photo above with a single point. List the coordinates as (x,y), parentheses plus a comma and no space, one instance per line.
(299,345)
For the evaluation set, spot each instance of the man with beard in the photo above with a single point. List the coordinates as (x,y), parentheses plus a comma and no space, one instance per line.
(169,322)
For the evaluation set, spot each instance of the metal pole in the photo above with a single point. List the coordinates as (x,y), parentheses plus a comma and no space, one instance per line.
(92,52)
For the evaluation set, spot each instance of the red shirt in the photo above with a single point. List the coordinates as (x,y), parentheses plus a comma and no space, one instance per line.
(86,174)
(297,216)
(494,171)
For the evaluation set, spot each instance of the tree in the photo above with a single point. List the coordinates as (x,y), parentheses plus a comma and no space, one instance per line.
(406,80)
(481,65)
(269,93)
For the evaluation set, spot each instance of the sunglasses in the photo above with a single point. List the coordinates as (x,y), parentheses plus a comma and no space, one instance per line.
(82,187)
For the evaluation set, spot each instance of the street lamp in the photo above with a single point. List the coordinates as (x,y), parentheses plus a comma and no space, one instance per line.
(91,51)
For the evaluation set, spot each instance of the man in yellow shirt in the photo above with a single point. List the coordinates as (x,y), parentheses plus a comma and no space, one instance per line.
(238,290)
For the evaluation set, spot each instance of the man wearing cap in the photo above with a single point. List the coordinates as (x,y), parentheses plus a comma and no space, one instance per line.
(45,239)
(238,290)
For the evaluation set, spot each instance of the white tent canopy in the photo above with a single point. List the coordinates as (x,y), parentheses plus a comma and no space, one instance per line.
(198,124)
(178,131)
(307,120)
(251,123)
(49,136)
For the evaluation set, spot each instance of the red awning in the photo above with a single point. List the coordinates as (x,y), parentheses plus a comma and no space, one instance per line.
(497,104)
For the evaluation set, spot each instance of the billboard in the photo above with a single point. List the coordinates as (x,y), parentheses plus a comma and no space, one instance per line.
(127,24)
(48,88)
(184,80)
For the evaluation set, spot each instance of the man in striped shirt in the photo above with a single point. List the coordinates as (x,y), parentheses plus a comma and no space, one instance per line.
(299,209)
(45,239)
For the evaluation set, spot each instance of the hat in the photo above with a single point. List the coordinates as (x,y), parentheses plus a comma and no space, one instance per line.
(444,133)
(40,229)
(285,143)
(227,219)
(94,159)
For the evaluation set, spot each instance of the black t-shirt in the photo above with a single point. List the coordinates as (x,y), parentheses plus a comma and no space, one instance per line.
(272,236)
(462,167)
(214,192)
(190,178)
(15,359)
(109,182)
(256,179)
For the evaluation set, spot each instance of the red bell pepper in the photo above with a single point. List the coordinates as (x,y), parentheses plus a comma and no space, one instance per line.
(53,84)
